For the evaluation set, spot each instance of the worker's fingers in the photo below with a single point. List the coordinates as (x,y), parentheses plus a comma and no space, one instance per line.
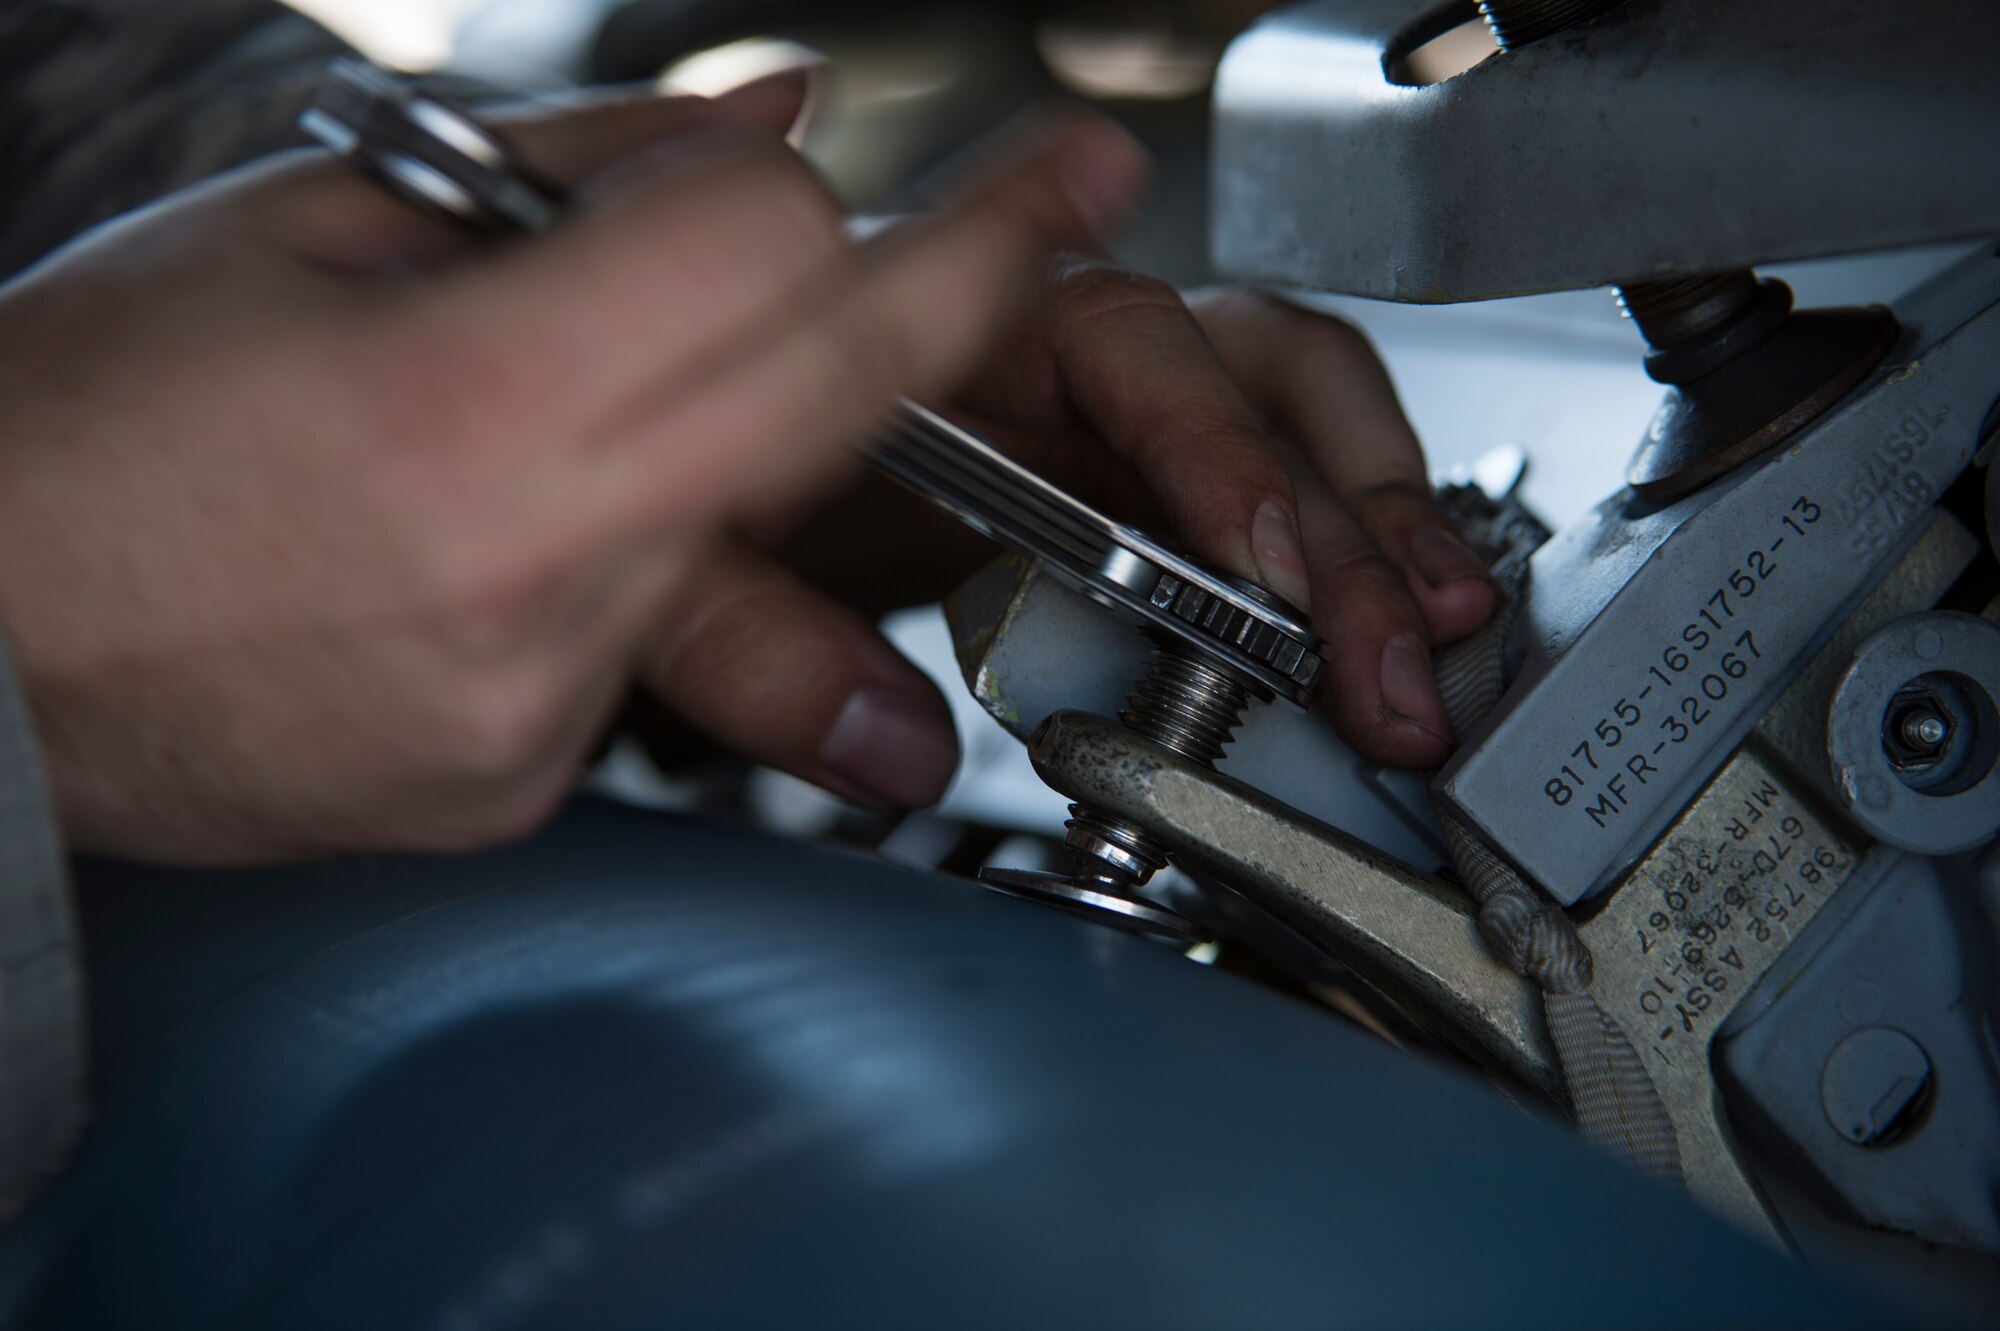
(671,264)
(328,212)
(775,671)
(910,317)
(568,143)
(1075,458)
(1379,688)
(1121,354)
(1449,581)
(875,546)
(1322,384)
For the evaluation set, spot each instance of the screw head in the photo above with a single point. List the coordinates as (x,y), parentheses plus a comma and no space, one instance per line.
(1917,729)
(1925,729)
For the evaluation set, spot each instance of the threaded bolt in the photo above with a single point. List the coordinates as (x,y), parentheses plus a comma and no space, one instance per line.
(1185,706)
(1677,310)
(1515,23)
(1695,325)
(1925,730)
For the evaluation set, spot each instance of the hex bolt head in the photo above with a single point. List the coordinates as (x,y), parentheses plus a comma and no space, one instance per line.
(1918,728)
(1875,1086)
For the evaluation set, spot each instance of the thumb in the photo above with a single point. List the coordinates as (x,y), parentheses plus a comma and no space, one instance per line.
(763,664)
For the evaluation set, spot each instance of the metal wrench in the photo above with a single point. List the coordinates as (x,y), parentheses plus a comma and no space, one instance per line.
(445,162)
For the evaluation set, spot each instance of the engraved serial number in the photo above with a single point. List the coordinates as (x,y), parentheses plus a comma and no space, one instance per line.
(1888,490)
(1634,743)
(1721,920)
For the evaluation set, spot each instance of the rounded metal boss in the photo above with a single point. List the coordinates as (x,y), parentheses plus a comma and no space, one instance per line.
(1913,733)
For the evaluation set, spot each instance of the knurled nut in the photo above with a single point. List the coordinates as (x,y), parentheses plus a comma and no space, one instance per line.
(1223,622)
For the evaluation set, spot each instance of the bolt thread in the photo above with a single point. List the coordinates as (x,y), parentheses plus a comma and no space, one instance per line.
(1678,310)
(1515,23)
(1924,729)
(1186,707)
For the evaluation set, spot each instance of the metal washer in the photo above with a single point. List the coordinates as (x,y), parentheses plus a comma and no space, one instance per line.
(1128,914)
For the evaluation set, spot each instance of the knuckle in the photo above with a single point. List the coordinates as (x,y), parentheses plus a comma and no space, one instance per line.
(1236,462)
(1314,338)
(794,202)
(1089,290)
(1403,498)
(490,601)
(866,356)
(464,389)
(1018,225)
(740,222)
(1368,578)
(1234,309)
(1326,334)
(1392,508)
(498,693)
(1317,329)
(488,816)
(427,387)
(1227,456)
(524,807)
(497,722)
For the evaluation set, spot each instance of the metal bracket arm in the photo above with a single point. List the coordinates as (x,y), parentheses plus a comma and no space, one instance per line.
(1411,936)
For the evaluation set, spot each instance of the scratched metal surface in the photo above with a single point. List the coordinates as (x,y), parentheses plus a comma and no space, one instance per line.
(1691,932)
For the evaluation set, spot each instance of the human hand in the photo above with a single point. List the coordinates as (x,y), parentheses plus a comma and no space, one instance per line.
(1389,574)
(319,531)
(1266,438)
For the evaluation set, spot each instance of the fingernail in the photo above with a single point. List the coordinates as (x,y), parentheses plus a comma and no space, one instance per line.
(1281,560)
(1102,168)
(1408,687)
(891,746)
(1441,557)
